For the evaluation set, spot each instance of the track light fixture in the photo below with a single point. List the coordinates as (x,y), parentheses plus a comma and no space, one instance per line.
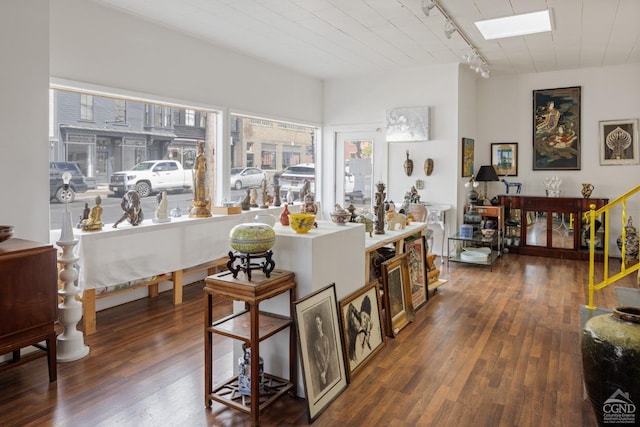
(449,29)
(476,61)
(427,5)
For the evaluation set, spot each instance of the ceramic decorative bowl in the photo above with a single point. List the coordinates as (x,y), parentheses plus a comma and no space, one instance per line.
(6,232)
(302,222)
(488,232)
(252,238)
(340,217)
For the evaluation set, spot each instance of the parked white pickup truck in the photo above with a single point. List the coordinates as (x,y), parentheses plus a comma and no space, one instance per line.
(152,176)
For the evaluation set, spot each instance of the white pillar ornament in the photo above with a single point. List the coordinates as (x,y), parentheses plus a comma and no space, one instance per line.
(70,343)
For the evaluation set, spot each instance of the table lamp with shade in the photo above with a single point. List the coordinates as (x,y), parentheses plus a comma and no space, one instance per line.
(485,174)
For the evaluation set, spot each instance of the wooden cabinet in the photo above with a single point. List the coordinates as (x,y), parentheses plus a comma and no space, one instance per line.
(28,298)
(547,226)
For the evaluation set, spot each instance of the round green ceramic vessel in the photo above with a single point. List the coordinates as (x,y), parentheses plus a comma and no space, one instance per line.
(611,365)
(252,238)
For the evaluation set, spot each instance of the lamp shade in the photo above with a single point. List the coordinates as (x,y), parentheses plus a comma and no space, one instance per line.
(487,173)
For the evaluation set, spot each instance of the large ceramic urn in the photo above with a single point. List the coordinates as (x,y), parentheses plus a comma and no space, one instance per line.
(252,238)
(611,366)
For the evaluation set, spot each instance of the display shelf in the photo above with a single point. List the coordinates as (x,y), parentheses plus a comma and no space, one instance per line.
(238,325)
(478,240)
(250,326)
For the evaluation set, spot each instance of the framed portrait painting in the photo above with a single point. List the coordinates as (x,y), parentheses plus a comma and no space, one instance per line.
(321,349)
(504,158)
(619,142)
(417,262)
(467,157)
(396,294)
(361,326)
(556,129)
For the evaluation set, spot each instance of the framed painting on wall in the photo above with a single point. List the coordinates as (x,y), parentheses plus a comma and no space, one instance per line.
(467,157)
(408,124)
(556,129)
(619,142)
(504,158)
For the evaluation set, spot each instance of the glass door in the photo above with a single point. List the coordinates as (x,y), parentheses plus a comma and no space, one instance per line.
(354,180)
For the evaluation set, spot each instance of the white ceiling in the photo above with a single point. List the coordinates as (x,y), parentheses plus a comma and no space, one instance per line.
(338,38)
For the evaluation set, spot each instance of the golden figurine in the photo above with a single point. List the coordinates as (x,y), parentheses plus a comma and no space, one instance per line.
(200,201)
(94,220)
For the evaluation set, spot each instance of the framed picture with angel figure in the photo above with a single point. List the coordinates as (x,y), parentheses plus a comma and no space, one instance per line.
(362,327)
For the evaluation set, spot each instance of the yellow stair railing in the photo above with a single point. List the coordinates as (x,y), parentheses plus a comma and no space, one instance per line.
(625,270)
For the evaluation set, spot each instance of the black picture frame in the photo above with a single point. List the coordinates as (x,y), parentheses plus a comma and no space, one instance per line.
(321,353)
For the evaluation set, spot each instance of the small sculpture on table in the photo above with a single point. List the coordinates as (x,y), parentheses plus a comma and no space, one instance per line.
(379,208)
(276,195)
(265,195)
(290,196)
(132,209)
(85,214)
(253,198)
(200,200)
(246,201)
(161,212)
(94,220)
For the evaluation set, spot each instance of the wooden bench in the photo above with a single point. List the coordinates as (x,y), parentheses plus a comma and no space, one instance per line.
(89,296)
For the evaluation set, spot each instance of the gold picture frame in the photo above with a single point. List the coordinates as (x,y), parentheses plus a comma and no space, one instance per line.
(397,294)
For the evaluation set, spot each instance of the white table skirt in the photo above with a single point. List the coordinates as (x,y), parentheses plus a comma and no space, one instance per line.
(126,253)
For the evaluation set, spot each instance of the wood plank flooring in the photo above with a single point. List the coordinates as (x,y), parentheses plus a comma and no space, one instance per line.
(490,348)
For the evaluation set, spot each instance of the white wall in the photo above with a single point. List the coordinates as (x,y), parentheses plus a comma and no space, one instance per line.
(24,112)
(360,103)
(102,46)
(504,114)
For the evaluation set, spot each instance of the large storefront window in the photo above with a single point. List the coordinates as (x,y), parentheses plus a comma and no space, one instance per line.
(271,146)
(106,134)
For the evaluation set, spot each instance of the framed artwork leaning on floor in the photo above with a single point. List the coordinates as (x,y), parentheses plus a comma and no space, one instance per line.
(321,350)
(361,326)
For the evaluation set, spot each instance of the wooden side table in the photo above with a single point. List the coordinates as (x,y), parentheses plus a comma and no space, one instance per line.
(250,326)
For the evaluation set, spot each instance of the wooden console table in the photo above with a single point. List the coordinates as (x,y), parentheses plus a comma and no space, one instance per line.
(28,299)
(547,226)
(251,326)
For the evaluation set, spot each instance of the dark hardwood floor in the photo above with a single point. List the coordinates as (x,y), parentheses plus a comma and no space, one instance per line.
(490,348)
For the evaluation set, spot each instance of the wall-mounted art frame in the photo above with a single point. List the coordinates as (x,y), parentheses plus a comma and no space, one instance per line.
(619,142)
(408,124)
(504,158)
(361,326)
(556,129)
(321,349)
(417,261)
(396,294)
(468,146)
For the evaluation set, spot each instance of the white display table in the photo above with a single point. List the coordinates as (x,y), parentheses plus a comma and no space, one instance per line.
(328,254)
(128,253)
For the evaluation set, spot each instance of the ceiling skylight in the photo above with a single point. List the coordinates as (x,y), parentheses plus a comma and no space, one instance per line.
(517,25)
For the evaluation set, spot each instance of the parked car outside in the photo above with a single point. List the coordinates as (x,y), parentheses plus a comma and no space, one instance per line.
(247,177)
(294,176)
(56,183)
